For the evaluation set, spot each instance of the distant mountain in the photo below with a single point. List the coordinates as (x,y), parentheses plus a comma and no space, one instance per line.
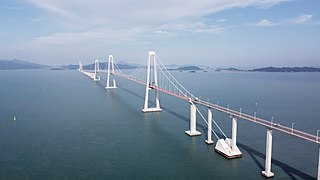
(104,65)
(287,69)
(229,69)
(70,66)
(189,68)
(18,64)
(186,68)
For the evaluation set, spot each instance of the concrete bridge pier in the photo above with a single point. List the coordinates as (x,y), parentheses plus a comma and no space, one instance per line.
(209,139)
(267,172)
(319,164)
(193,120)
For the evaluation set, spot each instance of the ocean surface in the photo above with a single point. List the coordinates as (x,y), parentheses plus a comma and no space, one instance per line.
(69,127)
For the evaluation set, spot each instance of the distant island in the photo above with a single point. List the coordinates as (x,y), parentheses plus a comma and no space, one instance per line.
(187,68)
(229,70)
(272,69)
(18,64)
(287,69)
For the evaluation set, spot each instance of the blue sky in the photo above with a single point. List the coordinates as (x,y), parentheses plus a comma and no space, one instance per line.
(217,33)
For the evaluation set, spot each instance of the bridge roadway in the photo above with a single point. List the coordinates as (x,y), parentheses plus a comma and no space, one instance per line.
(238,114)
(90,74)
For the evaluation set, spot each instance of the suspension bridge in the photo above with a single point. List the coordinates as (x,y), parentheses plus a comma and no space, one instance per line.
(157,78)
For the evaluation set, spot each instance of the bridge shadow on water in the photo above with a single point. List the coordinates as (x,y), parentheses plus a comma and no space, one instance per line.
(168,110)
(254,154)
(289,170)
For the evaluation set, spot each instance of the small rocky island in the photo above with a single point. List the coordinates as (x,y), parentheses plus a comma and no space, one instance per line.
(287,69)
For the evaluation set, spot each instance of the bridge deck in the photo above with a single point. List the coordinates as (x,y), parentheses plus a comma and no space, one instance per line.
(235,113)
(90,74)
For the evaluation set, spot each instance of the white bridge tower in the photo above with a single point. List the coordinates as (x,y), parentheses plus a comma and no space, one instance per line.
(153,85)
(110,65)
(80,66)
(96,76)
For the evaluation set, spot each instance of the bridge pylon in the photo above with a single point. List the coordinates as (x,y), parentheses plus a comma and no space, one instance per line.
(80,66)
(110,72)
(151,86)
(96,76)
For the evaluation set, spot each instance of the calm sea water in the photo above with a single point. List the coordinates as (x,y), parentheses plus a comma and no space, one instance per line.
(69,127)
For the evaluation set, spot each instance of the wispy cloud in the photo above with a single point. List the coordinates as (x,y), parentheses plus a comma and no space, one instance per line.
(303,18)
(97,12)
(222,20)
(88,37)
(169,18)
(191,27)
(264,23)
(13,7)
(100,23)
(55,8)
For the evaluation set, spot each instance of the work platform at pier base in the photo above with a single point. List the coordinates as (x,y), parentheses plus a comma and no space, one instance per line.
(110,87)
(223,147)
(151,110)
(268,174)
(193,133)
(209,142)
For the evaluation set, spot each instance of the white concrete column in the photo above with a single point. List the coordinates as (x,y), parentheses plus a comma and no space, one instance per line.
(193,117)
(80,66)
(155,77)
(108,73)
(193,121)
(267,172)
(146,98)
(234,133)
(319,165)
(209,139)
